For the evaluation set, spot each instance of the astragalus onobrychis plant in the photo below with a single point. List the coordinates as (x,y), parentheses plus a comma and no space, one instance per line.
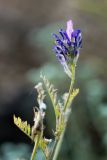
(67,50)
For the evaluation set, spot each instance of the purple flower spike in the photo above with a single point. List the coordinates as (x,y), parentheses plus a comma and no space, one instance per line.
(67,46)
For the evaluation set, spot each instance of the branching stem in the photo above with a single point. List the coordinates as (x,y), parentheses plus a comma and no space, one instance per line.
(60,140)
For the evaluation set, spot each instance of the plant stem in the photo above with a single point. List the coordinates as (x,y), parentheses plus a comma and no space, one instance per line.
(71,86)
(60,140)
(58,146)
(35,147)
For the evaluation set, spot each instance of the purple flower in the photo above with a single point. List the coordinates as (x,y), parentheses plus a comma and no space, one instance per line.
(67,46)
(69,29)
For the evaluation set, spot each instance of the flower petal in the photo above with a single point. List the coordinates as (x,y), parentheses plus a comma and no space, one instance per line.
(69,29)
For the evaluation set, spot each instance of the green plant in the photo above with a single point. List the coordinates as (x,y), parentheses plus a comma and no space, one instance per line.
(67,51)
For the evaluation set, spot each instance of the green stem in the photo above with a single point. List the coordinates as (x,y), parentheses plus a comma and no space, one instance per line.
(35,147)
(58,146)
(60,140)
(71,86)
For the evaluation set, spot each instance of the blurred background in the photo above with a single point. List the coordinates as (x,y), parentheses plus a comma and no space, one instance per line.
(26,42)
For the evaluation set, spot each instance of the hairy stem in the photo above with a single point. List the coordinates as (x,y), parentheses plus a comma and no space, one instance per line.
(35,147)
